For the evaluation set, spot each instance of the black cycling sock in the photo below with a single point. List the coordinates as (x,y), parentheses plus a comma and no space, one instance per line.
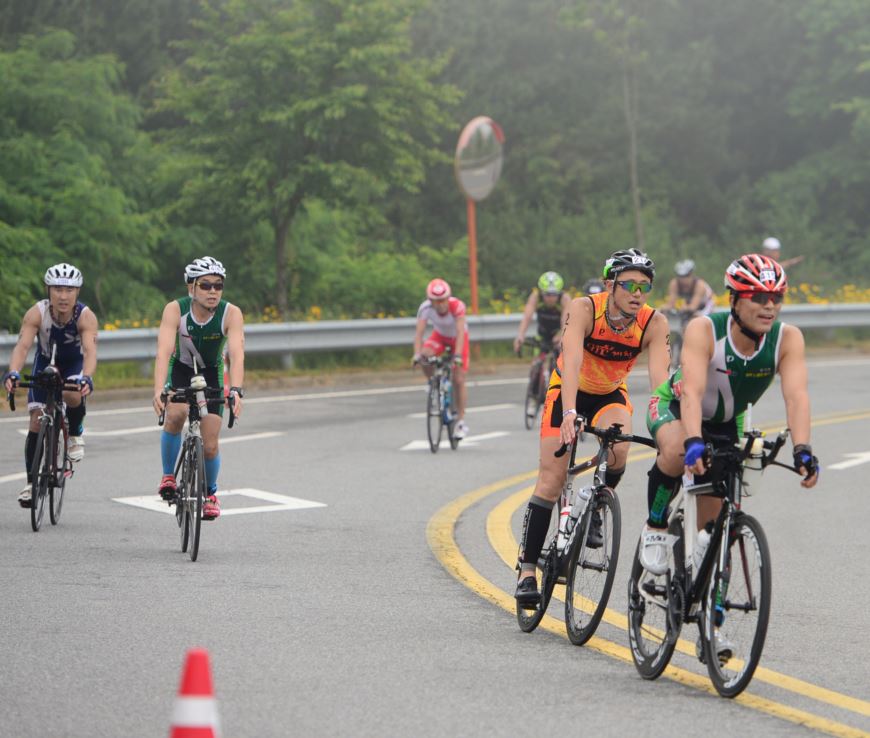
(75,416)
(30,451)
(535,527)
(660,490)
(612,477)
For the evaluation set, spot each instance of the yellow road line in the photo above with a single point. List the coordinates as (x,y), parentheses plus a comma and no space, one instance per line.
(500,534)
(442,541)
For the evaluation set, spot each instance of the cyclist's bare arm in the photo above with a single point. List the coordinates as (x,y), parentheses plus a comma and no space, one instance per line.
(578,325)
(87,326)
(655,340)
(793,373)
(672,295)
(697,352)
(418,337)
(565,302)
(460,335)
(236,351)
(165,345)
(29,329)
(528,312)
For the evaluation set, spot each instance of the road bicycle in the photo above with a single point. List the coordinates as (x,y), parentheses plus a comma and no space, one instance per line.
(190,491)
(539,378)
(726,592)
(51,465)
(440,401)
(583,551)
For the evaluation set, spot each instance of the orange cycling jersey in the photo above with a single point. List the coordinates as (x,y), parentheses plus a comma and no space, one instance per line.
(609,356)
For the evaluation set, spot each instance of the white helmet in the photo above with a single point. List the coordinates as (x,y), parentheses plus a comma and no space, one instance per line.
(684,268)
(771,244)
(63,275)
(201,267)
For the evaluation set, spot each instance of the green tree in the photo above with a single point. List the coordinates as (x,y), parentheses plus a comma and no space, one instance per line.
(319,99)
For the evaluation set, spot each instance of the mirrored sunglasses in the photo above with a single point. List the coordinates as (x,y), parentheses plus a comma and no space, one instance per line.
(762,298)
(209,286)
(629,285)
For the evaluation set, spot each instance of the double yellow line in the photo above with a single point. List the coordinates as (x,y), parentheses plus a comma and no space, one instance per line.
(442,541)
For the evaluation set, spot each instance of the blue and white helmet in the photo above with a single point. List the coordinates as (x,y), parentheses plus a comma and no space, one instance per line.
(201,267)
(63,275)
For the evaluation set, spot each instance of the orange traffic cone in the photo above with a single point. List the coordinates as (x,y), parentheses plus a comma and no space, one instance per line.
(195,712)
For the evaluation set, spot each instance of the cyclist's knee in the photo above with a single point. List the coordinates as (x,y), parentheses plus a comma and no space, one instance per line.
(210,447)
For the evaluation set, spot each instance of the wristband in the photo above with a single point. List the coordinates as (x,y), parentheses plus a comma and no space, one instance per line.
(565,414)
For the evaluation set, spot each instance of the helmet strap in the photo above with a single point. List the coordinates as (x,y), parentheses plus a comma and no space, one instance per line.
(756,337)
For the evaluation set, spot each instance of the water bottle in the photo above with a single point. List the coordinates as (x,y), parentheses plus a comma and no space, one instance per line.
(198,383)
(752,466)
(564,531)
(701,544)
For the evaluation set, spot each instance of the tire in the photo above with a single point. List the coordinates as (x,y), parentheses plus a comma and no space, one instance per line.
(197,497)
(652,628)
(529,619)
(434,421)
(533,392)
(747,592)
(182,506)
(63,466)
(454,440)
(40,473)
(591,570)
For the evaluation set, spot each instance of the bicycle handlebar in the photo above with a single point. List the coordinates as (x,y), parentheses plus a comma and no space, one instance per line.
(188,395)
(610,435)
(49,379)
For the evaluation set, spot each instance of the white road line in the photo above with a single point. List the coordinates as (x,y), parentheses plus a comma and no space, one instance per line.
(13,477)
(445,443)
(477,409)
(251,437)
(280,502)
(856,460)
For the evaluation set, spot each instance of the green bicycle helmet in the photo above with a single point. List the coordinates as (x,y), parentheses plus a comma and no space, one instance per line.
(551,283)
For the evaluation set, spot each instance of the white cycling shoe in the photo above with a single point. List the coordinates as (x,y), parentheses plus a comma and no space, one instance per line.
(724,648)
(76,449)
(655,543)
(461,430)
(25,496)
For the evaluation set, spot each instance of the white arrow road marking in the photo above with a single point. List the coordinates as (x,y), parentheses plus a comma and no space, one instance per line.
(477,409)
(855,460)
(280,502)
(445,442)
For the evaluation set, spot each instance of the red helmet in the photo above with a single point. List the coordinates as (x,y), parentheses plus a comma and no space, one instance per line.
(437,289)
(755,273)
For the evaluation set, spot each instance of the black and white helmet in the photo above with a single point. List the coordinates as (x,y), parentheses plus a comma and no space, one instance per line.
(684,268)
(622,261)
(63,275)
(201,267)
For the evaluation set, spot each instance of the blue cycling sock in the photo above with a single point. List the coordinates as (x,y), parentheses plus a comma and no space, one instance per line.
(212,468)
(170,445)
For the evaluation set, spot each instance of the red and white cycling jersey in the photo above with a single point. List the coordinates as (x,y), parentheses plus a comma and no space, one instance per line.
(444,325)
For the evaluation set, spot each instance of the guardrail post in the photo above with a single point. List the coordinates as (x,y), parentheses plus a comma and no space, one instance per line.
(287,361)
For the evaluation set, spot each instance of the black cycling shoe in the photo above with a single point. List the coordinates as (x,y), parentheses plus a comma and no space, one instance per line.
(595,539)
(527,594)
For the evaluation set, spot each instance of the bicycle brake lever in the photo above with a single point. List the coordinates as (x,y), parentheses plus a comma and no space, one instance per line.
(11,397)
(230,403)
(563,449)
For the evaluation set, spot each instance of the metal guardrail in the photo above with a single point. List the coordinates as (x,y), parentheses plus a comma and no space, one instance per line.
(285,339)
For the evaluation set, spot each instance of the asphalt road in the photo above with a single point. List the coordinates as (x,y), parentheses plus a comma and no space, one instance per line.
(387,609)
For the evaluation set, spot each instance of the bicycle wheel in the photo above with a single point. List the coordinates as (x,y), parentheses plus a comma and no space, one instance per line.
(434,421)
(40,473)
(546,574)
(451,426)
(196,497)
(738,597)
(62,467)
(655,606)
(591,570)
(532,403)
(182,495)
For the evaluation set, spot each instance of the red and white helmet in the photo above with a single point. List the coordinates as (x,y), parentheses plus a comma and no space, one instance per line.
(755,273)
(437,289)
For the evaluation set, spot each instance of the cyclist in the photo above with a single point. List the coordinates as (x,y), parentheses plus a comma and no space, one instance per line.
(198,326)
(549,303)
(694,292)
(592,287)
(447,315)
(59,320)
(603,336)
(729,360)
(773,249)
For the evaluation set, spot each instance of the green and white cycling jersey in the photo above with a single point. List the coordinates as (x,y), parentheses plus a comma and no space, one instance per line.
(733,380)
(203,341)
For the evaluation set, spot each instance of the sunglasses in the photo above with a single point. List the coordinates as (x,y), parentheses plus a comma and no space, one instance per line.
(209,286)
(629,285)
(762,298)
